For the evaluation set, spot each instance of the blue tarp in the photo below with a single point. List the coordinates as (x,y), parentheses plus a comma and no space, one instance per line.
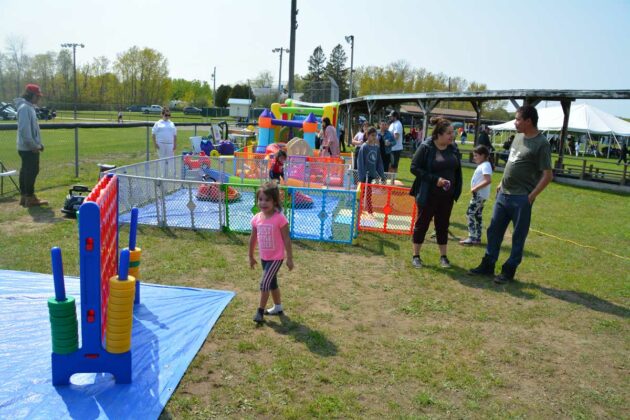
(170,325)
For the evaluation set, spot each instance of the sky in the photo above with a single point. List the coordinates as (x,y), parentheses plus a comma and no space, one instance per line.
(528,44)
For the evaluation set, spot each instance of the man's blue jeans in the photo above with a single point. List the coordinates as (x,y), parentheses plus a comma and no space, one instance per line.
(509,208)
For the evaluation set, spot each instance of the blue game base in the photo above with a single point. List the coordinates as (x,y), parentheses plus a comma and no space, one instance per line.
(169,326)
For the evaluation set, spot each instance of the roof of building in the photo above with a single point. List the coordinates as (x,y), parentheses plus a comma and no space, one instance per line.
(235,101)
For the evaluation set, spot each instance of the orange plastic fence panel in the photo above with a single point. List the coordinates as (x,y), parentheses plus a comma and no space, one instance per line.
(386,209)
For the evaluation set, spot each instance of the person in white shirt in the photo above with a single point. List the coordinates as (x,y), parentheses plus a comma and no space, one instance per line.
(165,137)
(396,128)
(480,190)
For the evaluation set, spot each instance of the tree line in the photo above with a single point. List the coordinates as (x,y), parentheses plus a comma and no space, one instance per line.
(141,76)
(136,76)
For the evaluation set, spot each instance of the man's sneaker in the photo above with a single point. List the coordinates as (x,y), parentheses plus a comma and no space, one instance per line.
(416,261)
(444,262)
(259,317)
(469,242)
(506,275)
(274,311)
(486,268)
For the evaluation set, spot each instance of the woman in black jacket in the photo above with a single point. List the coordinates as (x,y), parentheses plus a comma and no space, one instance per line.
(438,184)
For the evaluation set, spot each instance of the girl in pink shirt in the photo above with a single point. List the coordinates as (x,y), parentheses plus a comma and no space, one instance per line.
(270,229)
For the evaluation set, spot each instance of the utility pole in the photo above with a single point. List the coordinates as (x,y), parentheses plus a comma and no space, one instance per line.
(350,40)
(294,25)
(214,87)
(74,65)
(280,50)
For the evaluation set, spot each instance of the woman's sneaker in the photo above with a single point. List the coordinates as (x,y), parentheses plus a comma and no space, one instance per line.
(444,262)
(416,262)
(275,310)
(469,242)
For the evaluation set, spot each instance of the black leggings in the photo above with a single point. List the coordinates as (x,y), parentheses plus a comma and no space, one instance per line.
(438,208)
(28,172)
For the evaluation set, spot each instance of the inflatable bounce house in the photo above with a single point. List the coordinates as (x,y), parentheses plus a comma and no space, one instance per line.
(274,125)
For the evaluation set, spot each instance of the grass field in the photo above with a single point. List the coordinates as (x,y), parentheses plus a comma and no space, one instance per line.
(366,335)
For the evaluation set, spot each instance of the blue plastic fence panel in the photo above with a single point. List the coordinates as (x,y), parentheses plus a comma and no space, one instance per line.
(322,215)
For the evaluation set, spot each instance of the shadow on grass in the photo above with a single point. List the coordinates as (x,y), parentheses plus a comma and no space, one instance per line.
(585,299)
(43,214)
(315,341)
(523,290)
(376,243)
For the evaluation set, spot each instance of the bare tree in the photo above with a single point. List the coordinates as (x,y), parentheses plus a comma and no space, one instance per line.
(17,58)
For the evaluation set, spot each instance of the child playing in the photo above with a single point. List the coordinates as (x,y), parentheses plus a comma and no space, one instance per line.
(271,230)
(277,170)
(370,165)
(480,189)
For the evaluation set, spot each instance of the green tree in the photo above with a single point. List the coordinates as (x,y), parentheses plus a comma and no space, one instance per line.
(144,76)
(337,70)
(242,92)
(223,94)
(316,64)
(193,92)
(263,79)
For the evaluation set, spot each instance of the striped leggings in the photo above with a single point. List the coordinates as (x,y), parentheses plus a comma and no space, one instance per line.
(269,280)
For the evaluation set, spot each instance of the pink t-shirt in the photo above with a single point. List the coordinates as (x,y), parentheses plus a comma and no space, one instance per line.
(270,242)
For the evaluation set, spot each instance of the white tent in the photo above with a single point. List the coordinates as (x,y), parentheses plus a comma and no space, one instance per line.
(583,118)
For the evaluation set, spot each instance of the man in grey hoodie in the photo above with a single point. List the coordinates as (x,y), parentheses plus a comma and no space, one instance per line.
(29,144)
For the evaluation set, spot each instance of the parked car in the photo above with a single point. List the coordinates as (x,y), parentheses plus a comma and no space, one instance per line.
(43,113)
(153,109)
(7,111)
(192,110)
(135,108)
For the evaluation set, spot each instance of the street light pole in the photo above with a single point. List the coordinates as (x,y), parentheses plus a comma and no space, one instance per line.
(74,65)
(350,40)
(280,50)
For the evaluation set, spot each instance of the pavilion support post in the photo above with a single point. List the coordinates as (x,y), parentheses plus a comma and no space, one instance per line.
(477,107)
(370,105)
(515,104)
(427,105)
(566,108)
(348,130)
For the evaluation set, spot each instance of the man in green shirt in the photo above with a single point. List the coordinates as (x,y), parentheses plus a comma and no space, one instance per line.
(527,173)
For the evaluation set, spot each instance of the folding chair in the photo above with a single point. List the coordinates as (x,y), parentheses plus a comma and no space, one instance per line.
(4,172)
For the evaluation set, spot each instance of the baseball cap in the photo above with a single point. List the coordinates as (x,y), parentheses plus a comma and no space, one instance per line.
(33,88)
(393,113)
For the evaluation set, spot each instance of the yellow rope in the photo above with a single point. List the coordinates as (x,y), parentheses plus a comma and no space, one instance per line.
(579,244)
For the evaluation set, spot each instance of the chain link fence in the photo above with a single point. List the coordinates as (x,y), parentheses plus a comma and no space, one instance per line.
(188,201)
(73,151)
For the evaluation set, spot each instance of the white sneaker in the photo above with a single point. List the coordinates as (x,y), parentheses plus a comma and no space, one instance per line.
(276,310)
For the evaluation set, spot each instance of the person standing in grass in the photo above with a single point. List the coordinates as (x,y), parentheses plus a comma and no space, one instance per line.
(386,140)
(623,154)
(359,139)
(330,141)
(527,173)
(165,139)
(480,190)
(396,128)
(438,184)
(29,144)
(370,165)
(270,230)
